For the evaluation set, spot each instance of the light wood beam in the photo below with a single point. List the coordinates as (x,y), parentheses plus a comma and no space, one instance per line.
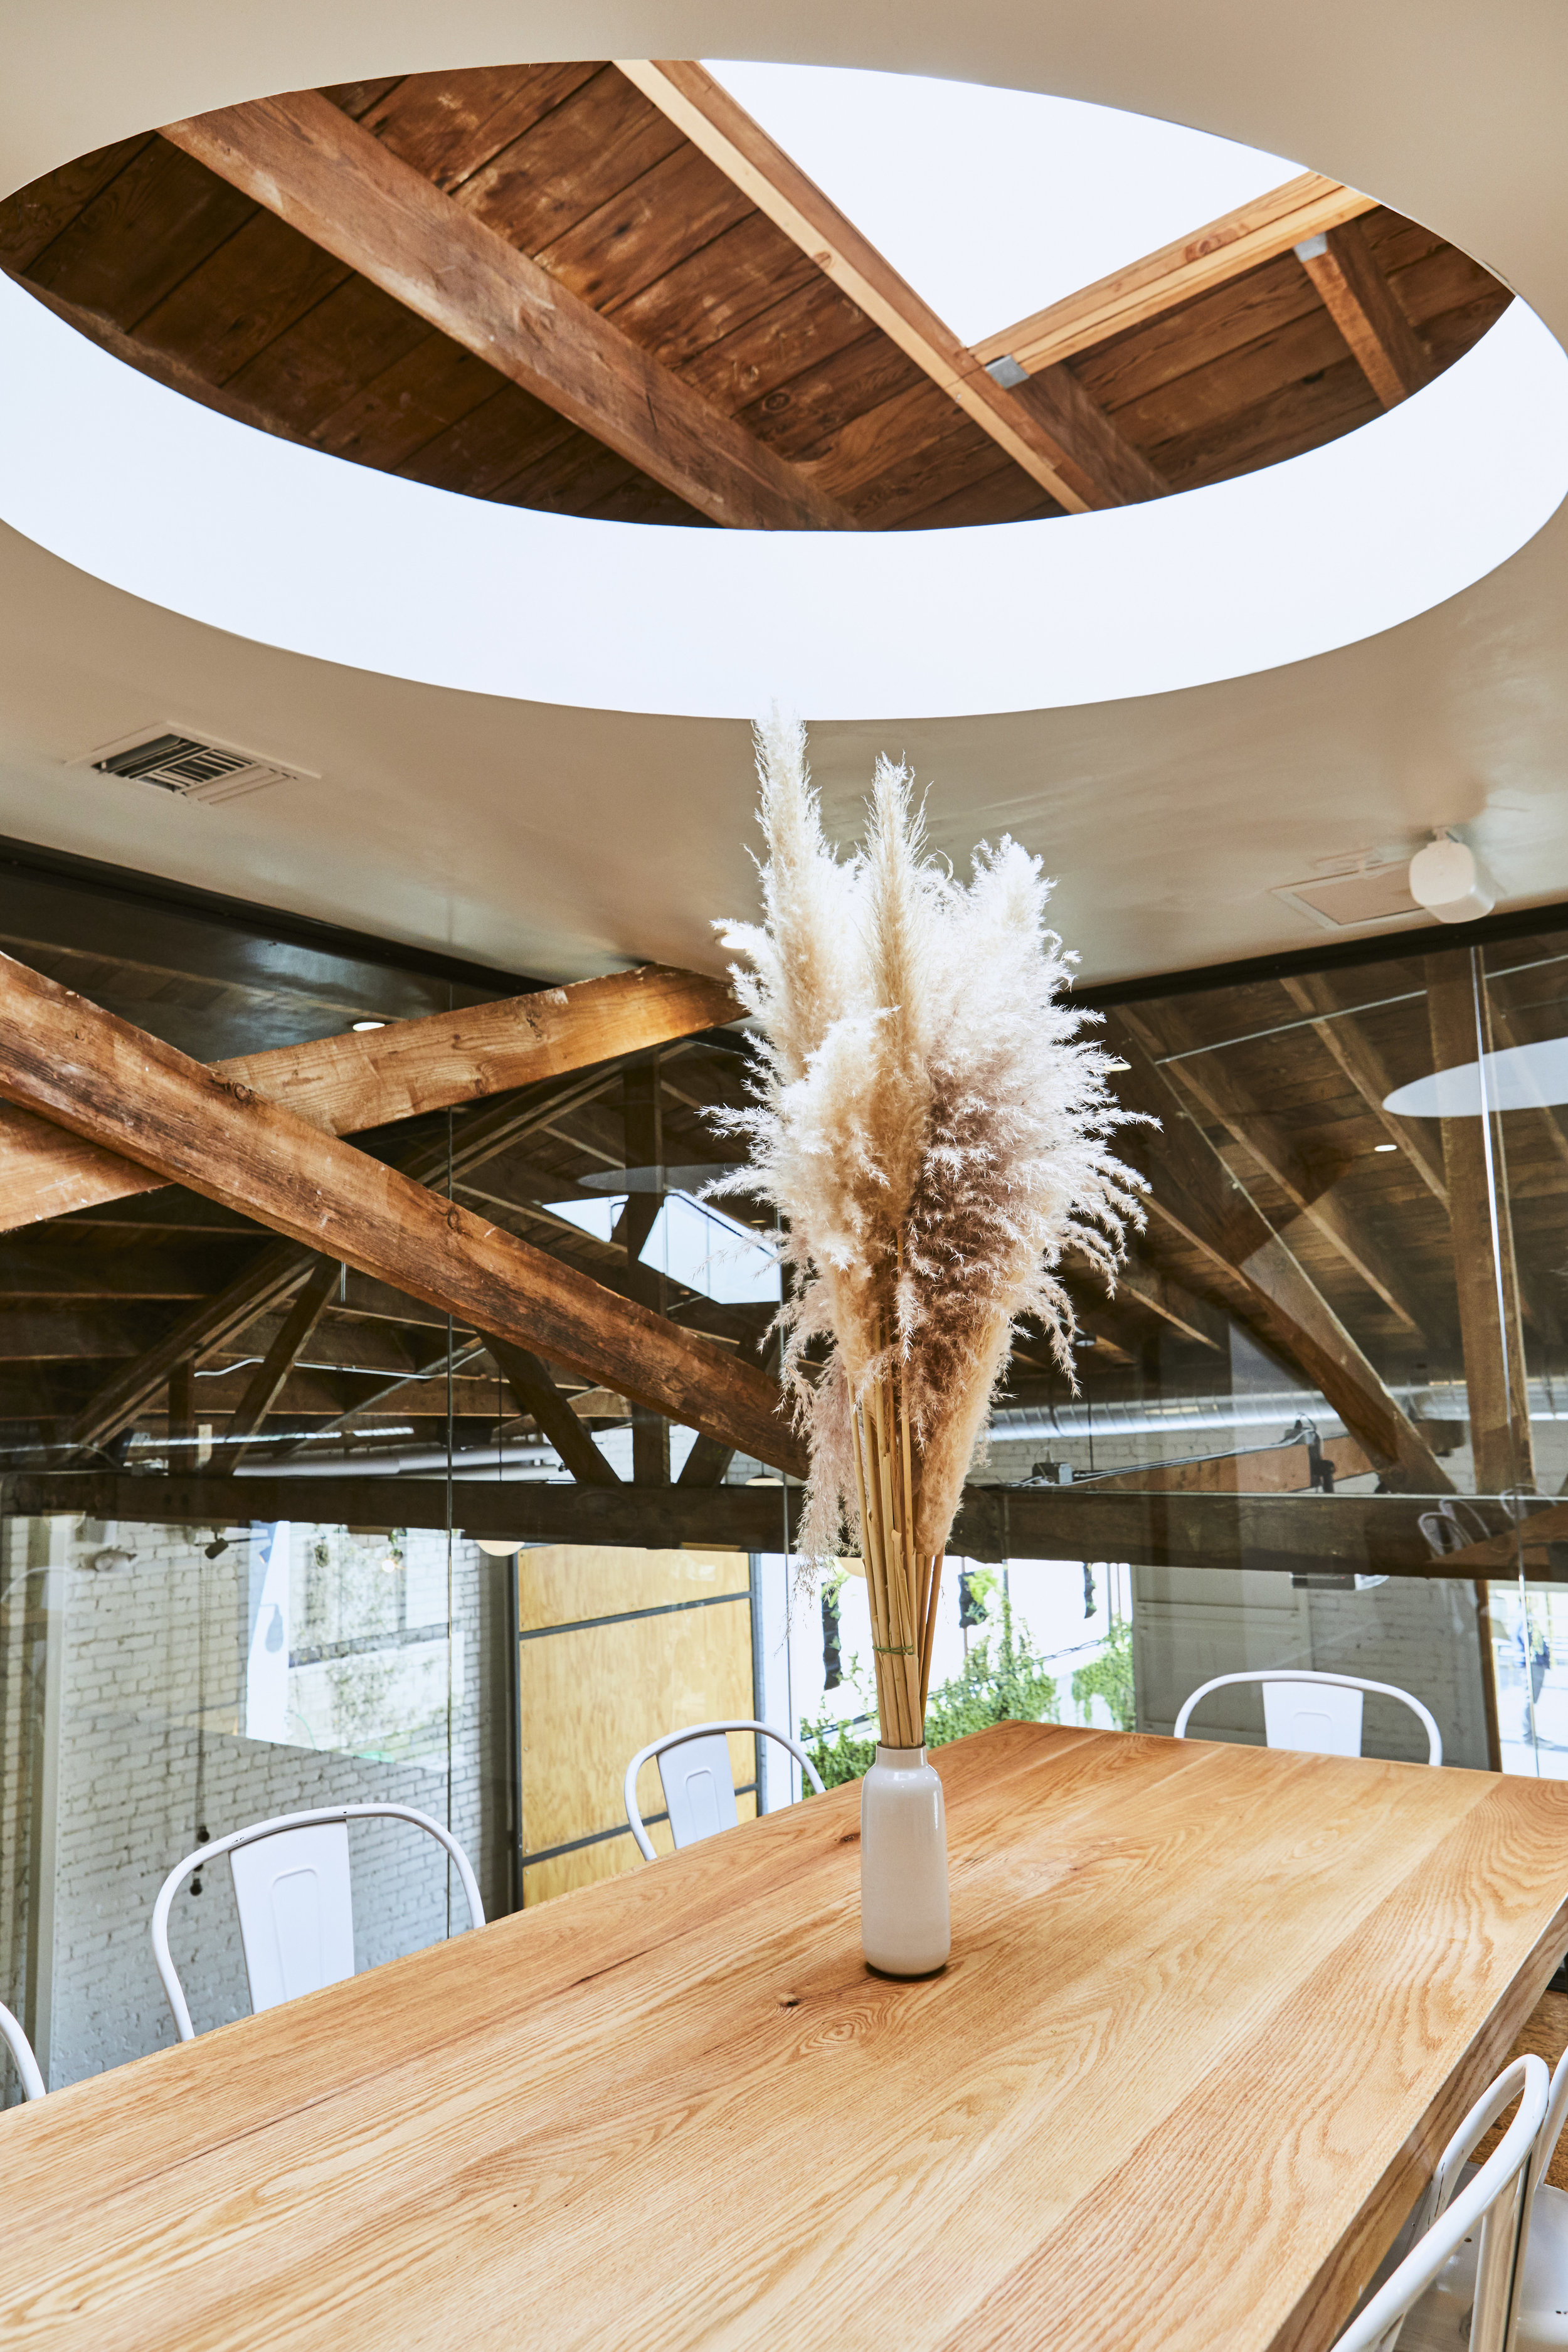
(1059,434)
(68,1061)
(267,1383)
(1364,307)
(1485,1274)
(1345,1038)
(1308,1187)
(533,1388)
(372,1077)
(1258,231)
(1250,1269)
(303,158)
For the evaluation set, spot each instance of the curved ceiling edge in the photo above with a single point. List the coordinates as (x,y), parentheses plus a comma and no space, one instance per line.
(188,510)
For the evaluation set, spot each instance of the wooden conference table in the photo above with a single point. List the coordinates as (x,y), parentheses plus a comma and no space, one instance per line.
(1210,2013)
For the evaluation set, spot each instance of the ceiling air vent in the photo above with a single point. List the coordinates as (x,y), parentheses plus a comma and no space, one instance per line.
(1367,892)
(190,765)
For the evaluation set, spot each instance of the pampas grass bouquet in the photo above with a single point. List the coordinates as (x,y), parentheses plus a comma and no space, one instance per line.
(932,1130)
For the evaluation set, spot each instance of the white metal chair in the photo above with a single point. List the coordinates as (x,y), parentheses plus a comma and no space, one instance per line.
(21,2050)
(698,1786)
(296,1910)
(1477,2222)
(1323,1720)
(1538,2318)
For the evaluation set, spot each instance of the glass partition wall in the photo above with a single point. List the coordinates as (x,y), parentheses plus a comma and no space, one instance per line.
(278,1538)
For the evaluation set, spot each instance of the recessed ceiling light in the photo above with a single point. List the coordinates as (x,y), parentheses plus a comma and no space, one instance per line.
(367,1024)
(1385,1147)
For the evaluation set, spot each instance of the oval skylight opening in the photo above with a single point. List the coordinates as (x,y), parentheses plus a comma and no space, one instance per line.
(142,487)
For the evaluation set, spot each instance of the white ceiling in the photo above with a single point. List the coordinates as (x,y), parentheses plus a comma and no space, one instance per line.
(563,841)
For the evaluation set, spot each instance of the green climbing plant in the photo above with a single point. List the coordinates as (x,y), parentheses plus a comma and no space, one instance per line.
(1109,1677)
(1003,1680)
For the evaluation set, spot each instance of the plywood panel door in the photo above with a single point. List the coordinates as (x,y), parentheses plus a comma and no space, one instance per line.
(613,1648)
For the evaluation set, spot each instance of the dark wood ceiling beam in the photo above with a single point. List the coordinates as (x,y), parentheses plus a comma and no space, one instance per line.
(1485,1272)
(1308,1186)
(272,1276)
(534,1391)
(1161,1296)
(1364,307)
(344,189)
(355,1080)
(1249,1269)
(1057,433)
(267,1380)
(1345,1038)
(68,1061)
(1291,1533)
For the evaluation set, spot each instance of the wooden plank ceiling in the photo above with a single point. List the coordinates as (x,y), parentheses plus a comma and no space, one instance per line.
(857,416)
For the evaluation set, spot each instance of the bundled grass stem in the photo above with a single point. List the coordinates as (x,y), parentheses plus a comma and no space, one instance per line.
(933,1131)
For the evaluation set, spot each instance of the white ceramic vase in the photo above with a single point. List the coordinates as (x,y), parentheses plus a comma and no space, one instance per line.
(905,1928)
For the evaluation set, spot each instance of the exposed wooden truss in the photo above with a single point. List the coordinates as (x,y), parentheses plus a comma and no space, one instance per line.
(1364,307)
(1058,435)
(1308,1186)
(268,1381)
(1348,1043)
(1485,1270)
(1285,1533)
(310,164)
(534,1391)
(1210,257)
(736,284)
(120,1088)
(1252,1271)
(357,1080)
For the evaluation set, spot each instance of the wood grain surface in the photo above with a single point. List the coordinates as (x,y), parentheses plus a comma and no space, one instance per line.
(370,1078)
(116,1087)
(1210,2014)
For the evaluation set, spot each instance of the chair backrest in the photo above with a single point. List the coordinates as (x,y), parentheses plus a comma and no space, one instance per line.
(1493,2200)
(1313,1714)
(291,1885)
(21,2050)
(699,1785)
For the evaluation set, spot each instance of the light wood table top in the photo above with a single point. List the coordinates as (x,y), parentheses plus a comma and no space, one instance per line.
(1210,2014)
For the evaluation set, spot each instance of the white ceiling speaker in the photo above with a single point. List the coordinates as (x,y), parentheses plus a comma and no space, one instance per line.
(1446,880)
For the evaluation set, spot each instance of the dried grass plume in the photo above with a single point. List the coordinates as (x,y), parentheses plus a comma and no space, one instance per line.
(934,1129)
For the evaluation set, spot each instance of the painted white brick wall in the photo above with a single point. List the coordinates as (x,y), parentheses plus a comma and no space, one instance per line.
(150,1739)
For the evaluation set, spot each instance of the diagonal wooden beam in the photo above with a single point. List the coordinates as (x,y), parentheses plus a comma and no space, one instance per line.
(1059,434)
(534,1389)
(1193,1198)
(111,1083)
(373,1078)
(1212,255)
(1308,1188)
(1346,1039)
(272,1276)
(334,182)
(1162,1296)
(250,1295)
(1364,307)
(267,1383)
(1486,1277)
